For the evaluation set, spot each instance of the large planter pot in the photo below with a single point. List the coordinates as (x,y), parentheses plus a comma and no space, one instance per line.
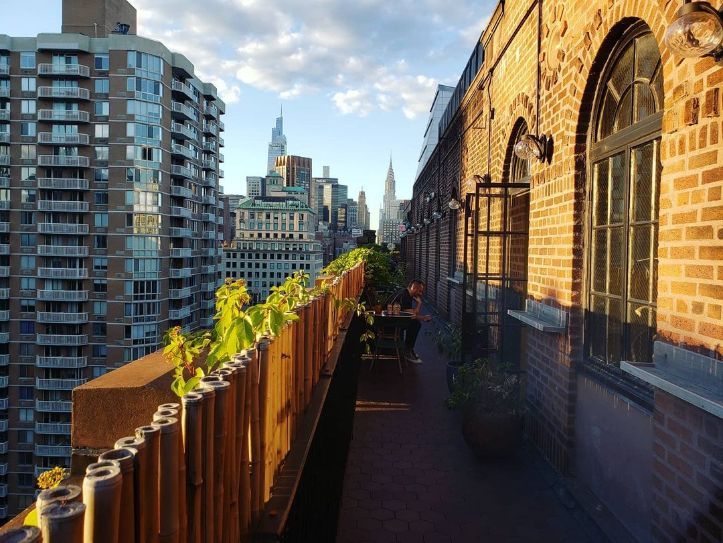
(491,435)
(452,370)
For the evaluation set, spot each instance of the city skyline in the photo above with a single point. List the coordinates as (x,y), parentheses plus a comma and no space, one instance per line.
(333,110)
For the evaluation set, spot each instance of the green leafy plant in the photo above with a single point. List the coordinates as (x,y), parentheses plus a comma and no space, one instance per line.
(449,341)
(491,388)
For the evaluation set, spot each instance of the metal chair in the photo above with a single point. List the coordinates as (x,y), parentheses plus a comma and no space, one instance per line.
(388,335)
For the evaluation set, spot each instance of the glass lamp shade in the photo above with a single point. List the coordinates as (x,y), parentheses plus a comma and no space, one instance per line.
(453,204)
(419,226)
(528,147)
(426,222)
(696,31)
(436,215)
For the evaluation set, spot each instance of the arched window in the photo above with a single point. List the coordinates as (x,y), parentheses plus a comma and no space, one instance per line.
(519,167)
(624,150)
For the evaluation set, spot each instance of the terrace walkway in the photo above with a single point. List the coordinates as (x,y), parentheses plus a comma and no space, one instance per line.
(411,478)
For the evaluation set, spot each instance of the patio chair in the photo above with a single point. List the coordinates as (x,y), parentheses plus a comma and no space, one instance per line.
(388,336)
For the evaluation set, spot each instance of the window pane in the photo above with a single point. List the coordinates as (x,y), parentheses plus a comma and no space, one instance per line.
(643,176)
(614,331)
(640,263)
(600,193)
(599,260)
(615,264)
(641,332)
(617,189)
(646,56)
(597,328)
(644,101)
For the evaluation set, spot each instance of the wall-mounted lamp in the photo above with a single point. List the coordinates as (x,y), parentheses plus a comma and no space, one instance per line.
(453,204)
(436,215)
(426,222)
(696,31)
(419,226)
(530,146)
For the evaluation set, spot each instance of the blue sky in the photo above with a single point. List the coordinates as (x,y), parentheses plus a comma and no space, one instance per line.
(356,77)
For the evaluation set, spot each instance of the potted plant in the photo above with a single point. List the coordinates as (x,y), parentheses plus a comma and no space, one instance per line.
(489,396)
(449,343)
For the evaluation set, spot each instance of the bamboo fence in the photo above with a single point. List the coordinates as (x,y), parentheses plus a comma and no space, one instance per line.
(202,470)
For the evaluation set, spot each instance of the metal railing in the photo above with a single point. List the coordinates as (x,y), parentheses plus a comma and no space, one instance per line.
(176,232)
(181,212)
(178,149)
(176,293)
(58,384)
(62,428)
(181,191)
(179,273)
(183,252)
(76,93)
(181,171)
(68,115)
(5,315)
(63,273)
(183,130)
(64,161)
(62,339)
(63,139)
(62,250)
(64,69)
(53,406)
(4,359)
(178,107)
(61,361)
(63,295)
(53,450)
(51,317)
(68,206)
(63,183)
(62,228)
(178,314)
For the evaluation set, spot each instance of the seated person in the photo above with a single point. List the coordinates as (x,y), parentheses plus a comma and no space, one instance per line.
(410,299)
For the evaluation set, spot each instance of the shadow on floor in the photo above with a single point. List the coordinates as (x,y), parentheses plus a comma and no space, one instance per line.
(411,478)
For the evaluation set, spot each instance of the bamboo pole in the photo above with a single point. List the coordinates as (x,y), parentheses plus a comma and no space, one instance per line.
(67,493)
(229,475)
(62,522)
(220,422)
(24,534)
(192,426)
(168,525)
(209,413)
(124,458)
(245,482)
(102,489)
(263,393)
(173,410)
(137,446)
(151,434)
(239,371)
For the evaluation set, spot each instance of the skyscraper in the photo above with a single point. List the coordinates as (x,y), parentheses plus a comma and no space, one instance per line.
(109,175)
(363,212)
(389,214)
(296,172)
(277,145)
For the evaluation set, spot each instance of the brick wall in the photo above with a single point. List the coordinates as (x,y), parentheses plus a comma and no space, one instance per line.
(687,472)
(576,38)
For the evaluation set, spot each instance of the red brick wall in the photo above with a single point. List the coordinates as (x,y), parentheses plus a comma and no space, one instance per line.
(687,472)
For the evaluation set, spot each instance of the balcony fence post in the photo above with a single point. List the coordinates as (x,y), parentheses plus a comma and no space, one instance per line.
(62,522)
(192,426)
(151,433)
(102,488)
(24,534)
(264,391)
(168,479)
(229,489)
(124,457)
(239,416)
(209,413)
(256,462)
(219,430)
(137,446)
(67,493)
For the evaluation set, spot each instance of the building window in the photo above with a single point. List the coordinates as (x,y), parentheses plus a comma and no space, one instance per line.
(26,415)
(102,86)
(28,107)
(101,133)
(28,84)
(102,63)
(28,152)
(26,306)
(27,283)
(623,222)
(27,327)
(28,129)
(102,108)
(27,60)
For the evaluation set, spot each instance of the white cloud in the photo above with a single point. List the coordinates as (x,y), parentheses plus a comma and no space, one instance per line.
(365,54)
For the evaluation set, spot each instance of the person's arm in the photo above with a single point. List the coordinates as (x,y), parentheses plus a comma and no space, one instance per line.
(418,308)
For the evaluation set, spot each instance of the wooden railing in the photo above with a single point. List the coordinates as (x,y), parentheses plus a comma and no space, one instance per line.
(203,470)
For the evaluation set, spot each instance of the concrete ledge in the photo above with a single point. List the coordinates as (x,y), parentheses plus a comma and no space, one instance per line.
(541,317)
(689,376)
(115,404)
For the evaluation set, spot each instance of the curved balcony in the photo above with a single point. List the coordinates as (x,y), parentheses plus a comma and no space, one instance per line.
(61,428)
(48,138)
(209,164)
(182,150)
(78,70)
(180,273)
(4,337)
(72,93)
(5,115)
(181,131)
(3,428)
(55,406)
(63,183)
(62,228)
(182,252)
(181,191)
(4,227)
(64,161)
(206,322)
(181,171)
(181,212)
(4,160)
(4,359)
(180,110)
(221,142)
(208,217)
(4,182)
(63,116)
(178,293)
(221,125)
(4,315)
(62,250)
(61,317)
(61,361)
(210,200)
(178,86)
(4,137)
(63,273)
(63,295)
(53,450)
(209,147)
(4,248)
(210,128)
(4,447)
(209,234)
(4,381)
(67,206)
(179,314)
(175,232)
(4,403)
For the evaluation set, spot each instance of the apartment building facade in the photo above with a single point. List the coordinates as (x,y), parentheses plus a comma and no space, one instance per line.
(590,258)
(109,174)
(274,239)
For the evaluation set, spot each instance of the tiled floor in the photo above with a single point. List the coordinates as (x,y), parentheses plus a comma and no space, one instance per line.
(411,478)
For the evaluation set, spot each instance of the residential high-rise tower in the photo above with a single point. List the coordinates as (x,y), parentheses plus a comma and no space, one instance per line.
(277,145)
(109,224)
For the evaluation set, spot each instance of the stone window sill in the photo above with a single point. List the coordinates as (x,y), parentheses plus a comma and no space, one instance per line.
(689,376)
(541,317)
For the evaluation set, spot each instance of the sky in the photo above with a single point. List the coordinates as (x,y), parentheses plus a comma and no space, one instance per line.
(356,78)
